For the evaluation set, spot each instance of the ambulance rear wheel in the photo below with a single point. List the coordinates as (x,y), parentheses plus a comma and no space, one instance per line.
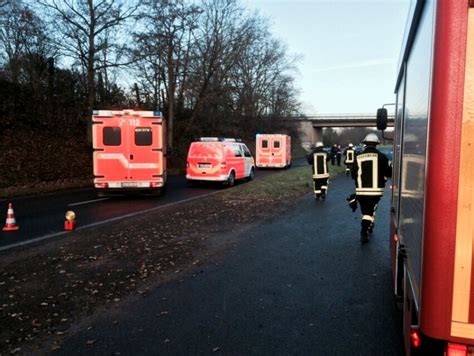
(231,179)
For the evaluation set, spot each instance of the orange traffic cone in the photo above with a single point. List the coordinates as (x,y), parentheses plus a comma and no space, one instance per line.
(70,223)
(10,223)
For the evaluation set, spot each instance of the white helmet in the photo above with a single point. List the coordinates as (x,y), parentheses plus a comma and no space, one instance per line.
(319,144)
(351,145)
(371,138)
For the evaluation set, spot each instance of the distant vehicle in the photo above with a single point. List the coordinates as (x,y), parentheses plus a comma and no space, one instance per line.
(219,160)
(359,148)
(387,151)
(129,151)
(273,150)
(432,204)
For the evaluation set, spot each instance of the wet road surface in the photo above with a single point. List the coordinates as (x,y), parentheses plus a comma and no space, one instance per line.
(301,284)
(42,217)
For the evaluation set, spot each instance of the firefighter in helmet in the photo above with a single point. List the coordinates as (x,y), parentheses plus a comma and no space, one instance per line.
(319,158)
(349,153)
(370,171)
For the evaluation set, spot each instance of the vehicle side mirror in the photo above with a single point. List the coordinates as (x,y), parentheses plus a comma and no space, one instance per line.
(381,119)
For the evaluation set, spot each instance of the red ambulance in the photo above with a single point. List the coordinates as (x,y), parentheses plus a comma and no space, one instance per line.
(273,151)
(219,160)
(129,151)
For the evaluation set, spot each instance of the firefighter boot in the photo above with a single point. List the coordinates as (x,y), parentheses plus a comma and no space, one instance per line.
(364,233)
(371,228)
(323,194)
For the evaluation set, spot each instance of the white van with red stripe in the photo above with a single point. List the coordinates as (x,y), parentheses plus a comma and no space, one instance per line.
(219,160)
(273,151)
(129,151)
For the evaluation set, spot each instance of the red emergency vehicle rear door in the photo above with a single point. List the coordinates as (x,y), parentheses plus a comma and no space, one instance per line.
(145,149)
(128,149)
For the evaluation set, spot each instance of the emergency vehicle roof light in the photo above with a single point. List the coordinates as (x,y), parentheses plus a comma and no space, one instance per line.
(156,113)
(209,139)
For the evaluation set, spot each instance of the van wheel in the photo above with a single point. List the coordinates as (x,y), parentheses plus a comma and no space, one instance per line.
(231,179)
(251,175)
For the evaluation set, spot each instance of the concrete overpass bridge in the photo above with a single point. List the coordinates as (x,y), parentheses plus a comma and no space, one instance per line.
(311,127)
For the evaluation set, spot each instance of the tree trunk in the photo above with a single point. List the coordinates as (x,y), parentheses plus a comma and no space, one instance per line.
(171,90)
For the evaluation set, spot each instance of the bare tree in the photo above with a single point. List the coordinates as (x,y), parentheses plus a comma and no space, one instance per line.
(164,50)
(86,31)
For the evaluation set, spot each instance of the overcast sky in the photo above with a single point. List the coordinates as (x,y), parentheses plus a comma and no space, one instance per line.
(349,49)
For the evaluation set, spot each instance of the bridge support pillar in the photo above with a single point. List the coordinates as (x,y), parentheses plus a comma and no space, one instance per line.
(309,134)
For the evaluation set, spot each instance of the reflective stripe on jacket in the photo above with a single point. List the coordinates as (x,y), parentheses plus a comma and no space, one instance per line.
(370,172)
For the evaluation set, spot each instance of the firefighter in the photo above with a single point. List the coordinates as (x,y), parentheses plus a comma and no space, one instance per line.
(349,153)
(333,154)
(338,155)
(370,171)
(319,158)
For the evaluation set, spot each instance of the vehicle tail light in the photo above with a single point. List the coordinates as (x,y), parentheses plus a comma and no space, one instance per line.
(102,185)
(153,184)
(415,338)
(223,165)
(395,237)
(456,350)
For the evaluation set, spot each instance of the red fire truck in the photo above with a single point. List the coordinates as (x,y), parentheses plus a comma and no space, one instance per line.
(432,206)
(129,151)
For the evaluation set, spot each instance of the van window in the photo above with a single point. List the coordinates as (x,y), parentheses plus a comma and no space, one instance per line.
(205,149)
(264,143)
(276,144)
(246,152)
(143,136)
(112,136)
(236,150)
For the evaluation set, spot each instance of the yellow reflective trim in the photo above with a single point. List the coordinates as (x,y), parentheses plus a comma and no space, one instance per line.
(465,210)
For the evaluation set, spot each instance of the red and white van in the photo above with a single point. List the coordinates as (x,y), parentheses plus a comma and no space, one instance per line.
(273,150)
(129,151)
(219,160)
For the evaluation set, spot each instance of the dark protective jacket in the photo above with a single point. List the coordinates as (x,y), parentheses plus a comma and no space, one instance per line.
(318,158)
(370,172)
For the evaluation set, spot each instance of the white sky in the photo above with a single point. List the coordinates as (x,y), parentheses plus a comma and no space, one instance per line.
(349,49)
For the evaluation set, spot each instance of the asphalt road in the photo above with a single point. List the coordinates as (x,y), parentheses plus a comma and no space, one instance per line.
(301,284)
(42,217)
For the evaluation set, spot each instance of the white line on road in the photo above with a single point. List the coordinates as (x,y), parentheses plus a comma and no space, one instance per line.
(88,201)
(45,237)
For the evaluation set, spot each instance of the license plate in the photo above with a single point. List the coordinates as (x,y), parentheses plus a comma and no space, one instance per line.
(204,165)
(129,184)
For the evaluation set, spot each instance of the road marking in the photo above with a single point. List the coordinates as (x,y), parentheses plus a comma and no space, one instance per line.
(88,201)
(117,218)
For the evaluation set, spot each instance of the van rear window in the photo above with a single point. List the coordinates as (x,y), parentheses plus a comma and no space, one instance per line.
(264,143)
(112,136)
(143,136)
(276,144)
(206,150)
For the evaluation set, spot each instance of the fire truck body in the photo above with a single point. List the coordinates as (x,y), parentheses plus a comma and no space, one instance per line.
(128,151)
(432,214)
(273,151)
